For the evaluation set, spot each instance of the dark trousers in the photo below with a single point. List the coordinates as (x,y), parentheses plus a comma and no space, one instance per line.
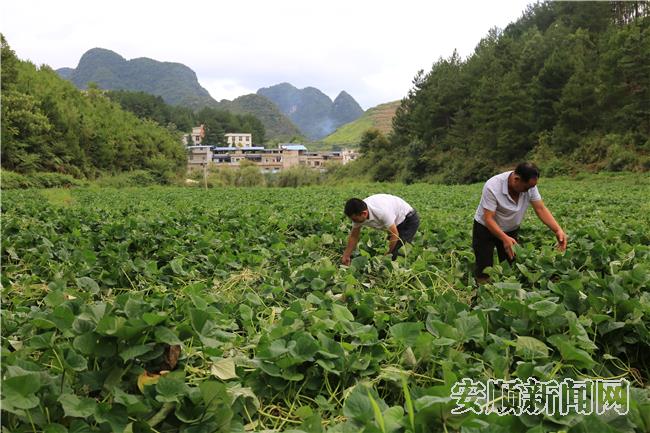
(406,230)
(483,243)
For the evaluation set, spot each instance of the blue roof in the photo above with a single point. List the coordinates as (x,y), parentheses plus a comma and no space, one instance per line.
(293,147)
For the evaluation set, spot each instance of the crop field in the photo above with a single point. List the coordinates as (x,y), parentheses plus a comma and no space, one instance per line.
(227,310)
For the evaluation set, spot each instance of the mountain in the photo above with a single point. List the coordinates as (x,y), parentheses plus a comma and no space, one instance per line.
(175,83)
(379,117)
(311,110)
(277,125)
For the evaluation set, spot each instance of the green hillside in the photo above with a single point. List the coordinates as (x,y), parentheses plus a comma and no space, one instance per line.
(175,83)
(50,126)
(278,126)
(379,117)
(567,86)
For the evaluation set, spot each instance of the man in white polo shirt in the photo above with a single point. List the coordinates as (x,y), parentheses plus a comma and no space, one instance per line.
(503,205)
(382,212)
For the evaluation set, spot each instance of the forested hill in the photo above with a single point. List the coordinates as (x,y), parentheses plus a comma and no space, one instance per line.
(566,85)
(49,125)
(176,83)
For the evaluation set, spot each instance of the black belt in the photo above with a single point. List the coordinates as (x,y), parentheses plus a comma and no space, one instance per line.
(410,214)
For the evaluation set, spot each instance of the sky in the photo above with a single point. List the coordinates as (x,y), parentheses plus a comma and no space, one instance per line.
(371,49)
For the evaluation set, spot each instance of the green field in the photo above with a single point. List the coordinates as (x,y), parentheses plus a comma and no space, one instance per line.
(239,294)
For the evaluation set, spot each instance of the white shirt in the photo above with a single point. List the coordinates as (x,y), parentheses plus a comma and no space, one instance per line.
(384,210)
(508,214)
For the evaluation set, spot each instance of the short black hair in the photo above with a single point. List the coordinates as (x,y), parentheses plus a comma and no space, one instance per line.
(355,206)
(527,171)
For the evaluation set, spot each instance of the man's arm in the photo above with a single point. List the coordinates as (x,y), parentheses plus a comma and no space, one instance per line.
(546,217)
(493,227)
(393,239)
(353,239)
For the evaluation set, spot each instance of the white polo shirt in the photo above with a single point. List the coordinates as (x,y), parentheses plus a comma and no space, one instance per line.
(495,197)
(384,210)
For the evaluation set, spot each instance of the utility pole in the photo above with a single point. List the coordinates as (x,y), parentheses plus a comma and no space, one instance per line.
(205,175)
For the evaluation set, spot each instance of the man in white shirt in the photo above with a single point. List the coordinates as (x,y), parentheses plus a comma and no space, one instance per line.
(503,205)
(382,212)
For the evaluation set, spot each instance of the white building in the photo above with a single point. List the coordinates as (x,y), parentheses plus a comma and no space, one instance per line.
(239,139)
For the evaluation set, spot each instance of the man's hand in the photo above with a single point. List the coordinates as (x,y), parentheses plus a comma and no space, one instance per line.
(345,260)
(508,243)
(561,240)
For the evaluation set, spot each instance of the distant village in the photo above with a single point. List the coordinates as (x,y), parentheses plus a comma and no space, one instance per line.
(240,148)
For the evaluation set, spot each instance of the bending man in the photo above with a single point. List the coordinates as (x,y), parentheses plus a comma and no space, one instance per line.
(382,212)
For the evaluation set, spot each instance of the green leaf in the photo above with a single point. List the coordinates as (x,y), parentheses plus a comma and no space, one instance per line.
(88,284)
(359,262)
(177,266)
(407,333)
(531,348)
(571,353)
(55,428)
(167,336)
(318,284)
(341,313)
(20,390)
(75,406)
(469,328)
(306,346)
(134,404)
(357,406)
(135,351)
(152,319)
(544,308)
(86,343)
(75,361)
(170,389)
(224,369)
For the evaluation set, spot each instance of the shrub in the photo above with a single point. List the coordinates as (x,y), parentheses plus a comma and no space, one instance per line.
(55,180)
(250,176)
(129,178)
(621,158)
(13,180)
(297,176)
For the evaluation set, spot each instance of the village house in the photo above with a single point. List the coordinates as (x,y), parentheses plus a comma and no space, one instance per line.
(240,148)
(198,134)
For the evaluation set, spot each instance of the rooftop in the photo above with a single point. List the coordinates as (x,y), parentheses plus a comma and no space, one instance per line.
(293,147)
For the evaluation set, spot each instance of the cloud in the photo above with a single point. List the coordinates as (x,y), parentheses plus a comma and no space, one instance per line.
(220,88)
(371,49)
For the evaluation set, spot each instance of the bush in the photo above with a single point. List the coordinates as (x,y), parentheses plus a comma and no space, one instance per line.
(12,180)
(296,176)
(163,170)
(55,180)
(547,160)
(620,158)
(129,178)
(250,176)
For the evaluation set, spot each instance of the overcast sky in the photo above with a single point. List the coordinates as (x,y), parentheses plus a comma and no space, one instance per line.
(371,49)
